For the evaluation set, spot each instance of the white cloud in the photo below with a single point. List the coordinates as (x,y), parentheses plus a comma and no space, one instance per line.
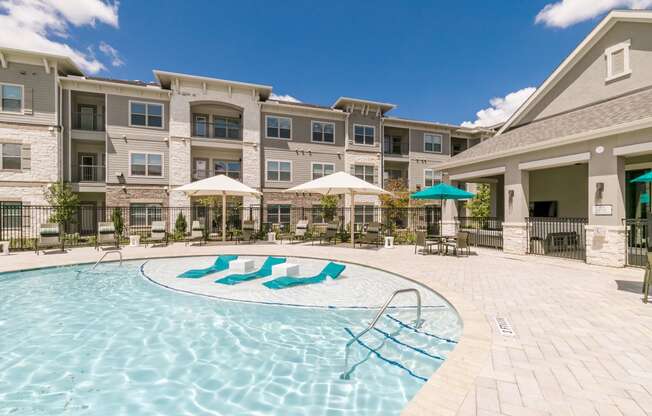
(112,53)
(285,97)
(501,108)
(565,13)
(42,26)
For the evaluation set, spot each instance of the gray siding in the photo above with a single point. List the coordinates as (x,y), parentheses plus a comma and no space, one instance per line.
(368,120)
(39,93)
(118,160)
(301,165)
(301,131)
(117,113)
(416,144)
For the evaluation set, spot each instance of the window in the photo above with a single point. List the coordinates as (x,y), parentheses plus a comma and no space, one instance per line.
(200,169)
(279,171)
(432,143)
(322,169)
(618,60)
(10,156)
(430,178)
(323,132)
(144,214)
(364,134)
(392,145)
(12,98)
(278,214)
(146,114)
(10,214)
(364,172)
(201,126)
(279,127)
(227,167)
(364,214)
(146,164)
(228,128)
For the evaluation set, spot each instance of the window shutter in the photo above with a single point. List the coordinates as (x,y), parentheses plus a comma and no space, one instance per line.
(25,157)
(27,101)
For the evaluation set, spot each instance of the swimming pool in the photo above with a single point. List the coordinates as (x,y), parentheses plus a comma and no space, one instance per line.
(111,342)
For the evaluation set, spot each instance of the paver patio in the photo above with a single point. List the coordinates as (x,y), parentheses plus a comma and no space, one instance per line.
(582,344)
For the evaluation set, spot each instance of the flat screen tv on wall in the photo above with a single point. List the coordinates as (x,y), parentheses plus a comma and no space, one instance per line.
(543,209)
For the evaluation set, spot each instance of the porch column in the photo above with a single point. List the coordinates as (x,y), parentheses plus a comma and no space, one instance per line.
(448,213)
(517,185)
(605,232)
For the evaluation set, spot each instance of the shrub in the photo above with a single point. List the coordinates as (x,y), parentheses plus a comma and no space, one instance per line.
(180,226)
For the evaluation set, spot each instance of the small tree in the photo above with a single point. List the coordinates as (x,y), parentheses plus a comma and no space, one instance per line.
(180,226)
(64,204)
(480,205)
(118,223)
(329,206)
(395,204)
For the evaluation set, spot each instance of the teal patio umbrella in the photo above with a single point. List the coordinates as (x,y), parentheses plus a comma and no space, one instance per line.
(645,178)
(442,192)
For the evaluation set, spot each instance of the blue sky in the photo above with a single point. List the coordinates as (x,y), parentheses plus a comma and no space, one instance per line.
(440,61)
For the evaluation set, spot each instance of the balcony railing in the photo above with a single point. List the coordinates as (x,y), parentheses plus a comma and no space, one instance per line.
(89,173)
(227,131)
(88,121)
(199,174)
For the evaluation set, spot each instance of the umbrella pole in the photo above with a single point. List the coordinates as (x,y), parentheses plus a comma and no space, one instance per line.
(223,216)
(352,219)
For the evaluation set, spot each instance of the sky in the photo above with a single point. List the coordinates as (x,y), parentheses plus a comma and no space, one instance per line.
(465,61)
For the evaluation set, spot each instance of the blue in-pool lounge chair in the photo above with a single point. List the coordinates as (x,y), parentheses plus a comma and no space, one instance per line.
(264,271)
(221,263)
(332,270)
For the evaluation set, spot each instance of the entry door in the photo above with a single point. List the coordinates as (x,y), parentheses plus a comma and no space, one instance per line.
(87,168)
(87,117)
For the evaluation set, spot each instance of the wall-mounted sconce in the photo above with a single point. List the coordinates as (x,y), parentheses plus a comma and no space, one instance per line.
(166,139)
(599,189)
(119,174)
(510,195)
(166,189)
(124,189)
(124,137)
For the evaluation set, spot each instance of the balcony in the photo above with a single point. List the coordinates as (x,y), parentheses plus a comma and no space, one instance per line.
(199,174)
(89,174)
(88,121)
(394,182)
(227,129)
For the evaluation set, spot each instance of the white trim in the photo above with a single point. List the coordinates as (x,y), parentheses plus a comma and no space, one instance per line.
(22,98)
(364,144)
(159,74)
(147,115)
(609,53)
(279,161)
(312,172)
(367,165)
(554,162)
(478,173)
(441,143)
(633,149)
(267,117)
(147,175)
(322,135)
(3,60)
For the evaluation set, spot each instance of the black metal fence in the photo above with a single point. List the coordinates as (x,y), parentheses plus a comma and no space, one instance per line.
(483,231)
(20,224)
(636,250)
(557,237)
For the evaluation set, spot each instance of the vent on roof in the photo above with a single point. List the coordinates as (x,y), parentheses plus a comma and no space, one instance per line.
(617,57)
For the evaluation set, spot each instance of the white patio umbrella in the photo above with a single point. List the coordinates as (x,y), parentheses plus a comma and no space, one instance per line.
(340,183)
(218,185)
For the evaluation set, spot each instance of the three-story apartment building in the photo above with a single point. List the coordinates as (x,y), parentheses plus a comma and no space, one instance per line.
(130,144)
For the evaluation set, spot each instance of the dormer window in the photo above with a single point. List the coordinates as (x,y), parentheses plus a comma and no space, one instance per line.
(618,61)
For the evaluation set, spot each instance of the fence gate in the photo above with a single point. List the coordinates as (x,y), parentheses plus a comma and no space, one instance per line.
(636,249)
(483,231)
(557,237)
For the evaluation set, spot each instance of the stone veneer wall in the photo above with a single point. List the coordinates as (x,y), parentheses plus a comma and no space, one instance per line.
(116,197)
(44,151)
(27,194)
(606,245)
(515,238)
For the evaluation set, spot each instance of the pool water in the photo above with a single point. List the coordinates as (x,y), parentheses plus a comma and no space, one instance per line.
(109,342)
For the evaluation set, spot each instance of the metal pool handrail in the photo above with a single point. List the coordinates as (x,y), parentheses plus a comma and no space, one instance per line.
(417,324)
(105,254)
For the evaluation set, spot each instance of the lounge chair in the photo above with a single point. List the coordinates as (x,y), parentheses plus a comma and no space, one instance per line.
(300,232)
(423,242)
(248,231)
(196,233)
(332,270)
(330,233)
(158,233)
(105,234)
(371,236)
(48,236)
(221,264)
(264,271)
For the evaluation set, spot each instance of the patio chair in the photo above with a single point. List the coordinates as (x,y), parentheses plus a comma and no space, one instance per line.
(423,242)
(461,243)
(196,233)
(371,236)
(48,236)
(264,271)
(332,270)
(248,231)
(105,234)
(331,232)
(158,233)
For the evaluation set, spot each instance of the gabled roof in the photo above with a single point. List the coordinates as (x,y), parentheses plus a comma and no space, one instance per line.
(580,51)
(343,102)
(66,65)
(165,78)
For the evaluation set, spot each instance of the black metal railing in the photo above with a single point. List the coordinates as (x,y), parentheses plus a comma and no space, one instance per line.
(89,173)
(636,248)
(483,231)
(88,121)
(557,237)
(231,131)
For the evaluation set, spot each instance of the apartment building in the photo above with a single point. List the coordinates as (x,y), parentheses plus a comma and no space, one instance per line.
(131,143)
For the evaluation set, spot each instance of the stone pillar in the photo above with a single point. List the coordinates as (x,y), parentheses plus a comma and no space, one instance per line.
(517,184)
(605,233)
